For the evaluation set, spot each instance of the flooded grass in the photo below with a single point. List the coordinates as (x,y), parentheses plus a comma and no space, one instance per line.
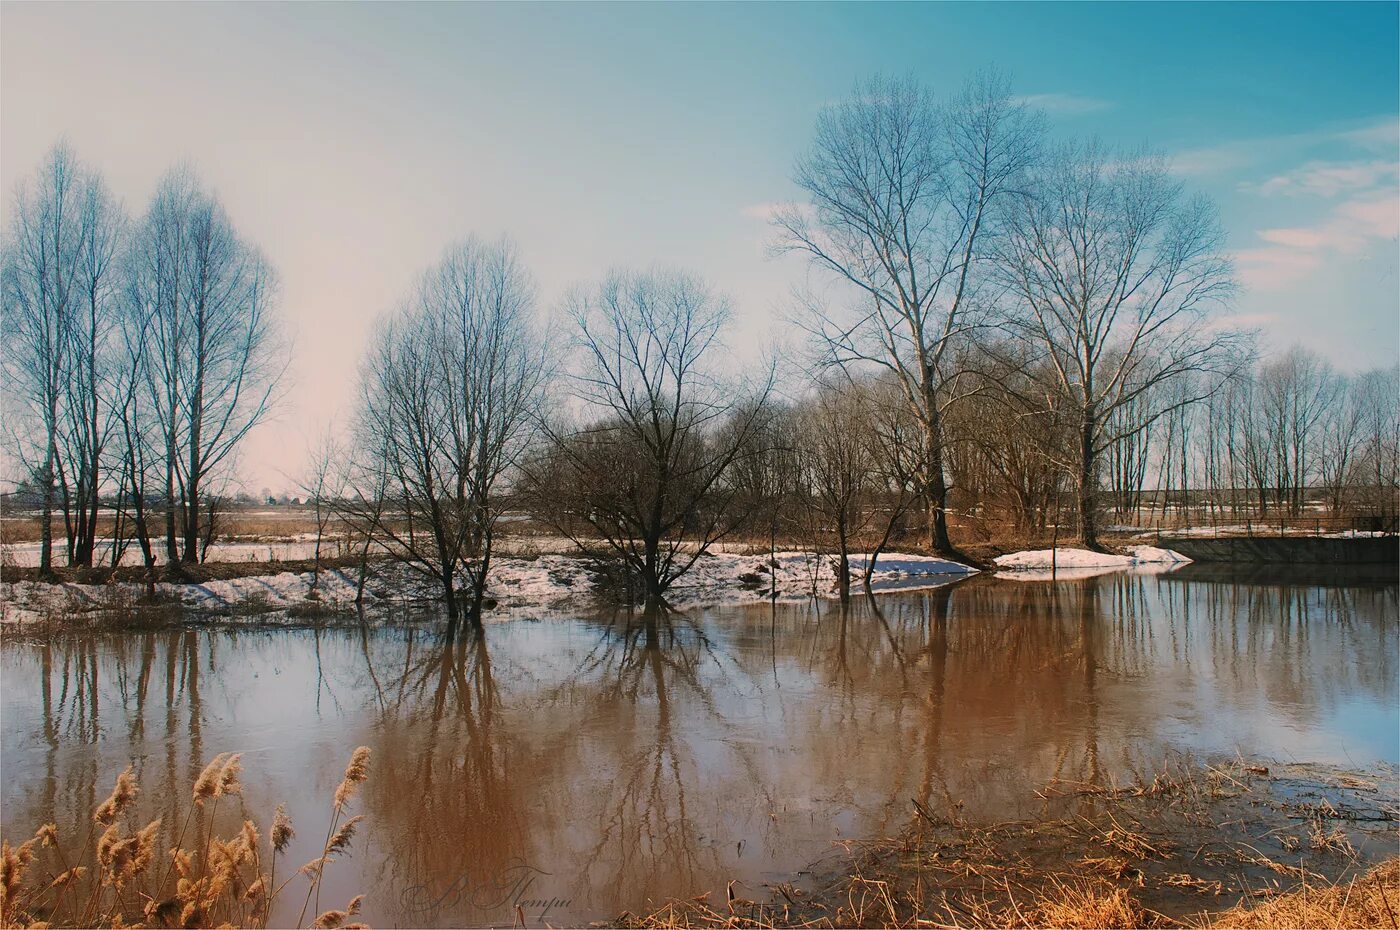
(1231,844)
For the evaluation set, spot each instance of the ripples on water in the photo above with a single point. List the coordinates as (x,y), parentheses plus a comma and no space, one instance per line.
(583,767)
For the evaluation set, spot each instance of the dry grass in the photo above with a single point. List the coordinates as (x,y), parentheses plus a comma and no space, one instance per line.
(1373,900)
(124,875)
(183,573)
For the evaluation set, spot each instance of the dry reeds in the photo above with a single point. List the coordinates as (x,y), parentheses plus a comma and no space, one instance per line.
(1373,900)
(204,880)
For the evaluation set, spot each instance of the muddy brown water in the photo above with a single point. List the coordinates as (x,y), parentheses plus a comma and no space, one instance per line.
(578,767)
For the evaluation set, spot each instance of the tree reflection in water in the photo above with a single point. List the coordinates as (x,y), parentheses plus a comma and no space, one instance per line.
(635,756)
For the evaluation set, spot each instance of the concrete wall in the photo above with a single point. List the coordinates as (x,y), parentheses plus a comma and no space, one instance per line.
(1294,549)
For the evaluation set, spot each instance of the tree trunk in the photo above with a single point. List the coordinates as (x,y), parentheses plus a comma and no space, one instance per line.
(479,589)
(172,551)
(46,510)
(651,570)
(191,529)
(449,596)
(1088,483)
(364,568)
(936,493)
(89,546)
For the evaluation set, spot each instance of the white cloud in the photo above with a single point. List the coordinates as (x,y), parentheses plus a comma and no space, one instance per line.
(1378,135)
(1274,268)
(1383,136)
(1292,253)
(1327,179)
(1066,104)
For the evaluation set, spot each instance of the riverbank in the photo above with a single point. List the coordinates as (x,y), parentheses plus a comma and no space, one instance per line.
(535,585)
(1196,845)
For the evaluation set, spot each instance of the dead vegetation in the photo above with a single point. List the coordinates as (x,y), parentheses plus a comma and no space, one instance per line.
(1192,846)
(181,573)
(173,872)
(1372,900)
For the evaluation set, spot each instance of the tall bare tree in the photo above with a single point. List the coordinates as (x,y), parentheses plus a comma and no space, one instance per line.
(1340,442)
(138,443)
(205,297)
(649,469)
(90,390)
(42,286)
(1295,394)
(1378,463)
(1115,272)
(904,196)
(451,399)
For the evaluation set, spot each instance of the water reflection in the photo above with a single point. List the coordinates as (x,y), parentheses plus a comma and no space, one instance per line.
(575,769)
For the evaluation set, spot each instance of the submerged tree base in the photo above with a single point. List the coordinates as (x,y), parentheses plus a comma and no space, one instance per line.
(1195,845)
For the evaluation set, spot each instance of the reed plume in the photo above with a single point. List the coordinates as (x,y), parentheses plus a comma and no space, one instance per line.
(220,882)
(355,773)
(122,796)
(282,831)
(206,786)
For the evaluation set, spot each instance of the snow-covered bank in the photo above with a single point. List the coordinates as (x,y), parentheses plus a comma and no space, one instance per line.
(1069,564)
(548,583)
(732,578)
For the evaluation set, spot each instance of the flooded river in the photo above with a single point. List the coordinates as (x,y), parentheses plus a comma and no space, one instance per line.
(576,768)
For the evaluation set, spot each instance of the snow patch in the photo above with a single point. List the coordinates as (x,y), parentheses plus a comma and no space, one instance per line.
(1073,564)
(726,577)
(1157,554)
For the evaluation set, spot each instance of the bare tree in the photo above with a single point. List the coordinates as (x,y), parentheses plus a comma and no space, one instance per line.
(893,436)
(1115,272)
(214,361)
(1295,393)
(1377,474)
(362,496)
(905,195)
(452,395)
(1341,442)
(765,478)
(90,388)
(42,287)
(1007,436)
(320,487)
(648,471)
(137,442)
(836,456)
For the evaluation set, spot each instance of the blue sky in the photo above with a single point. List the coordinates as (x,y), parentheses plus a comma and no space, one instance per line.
(353,142)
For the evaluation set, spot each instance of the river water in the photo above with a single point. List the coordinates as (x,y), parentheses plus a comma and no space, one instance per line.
(576,768)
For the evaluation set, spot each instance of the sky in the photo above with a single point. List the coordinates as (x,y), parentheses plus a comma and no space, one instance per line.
(354,142)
